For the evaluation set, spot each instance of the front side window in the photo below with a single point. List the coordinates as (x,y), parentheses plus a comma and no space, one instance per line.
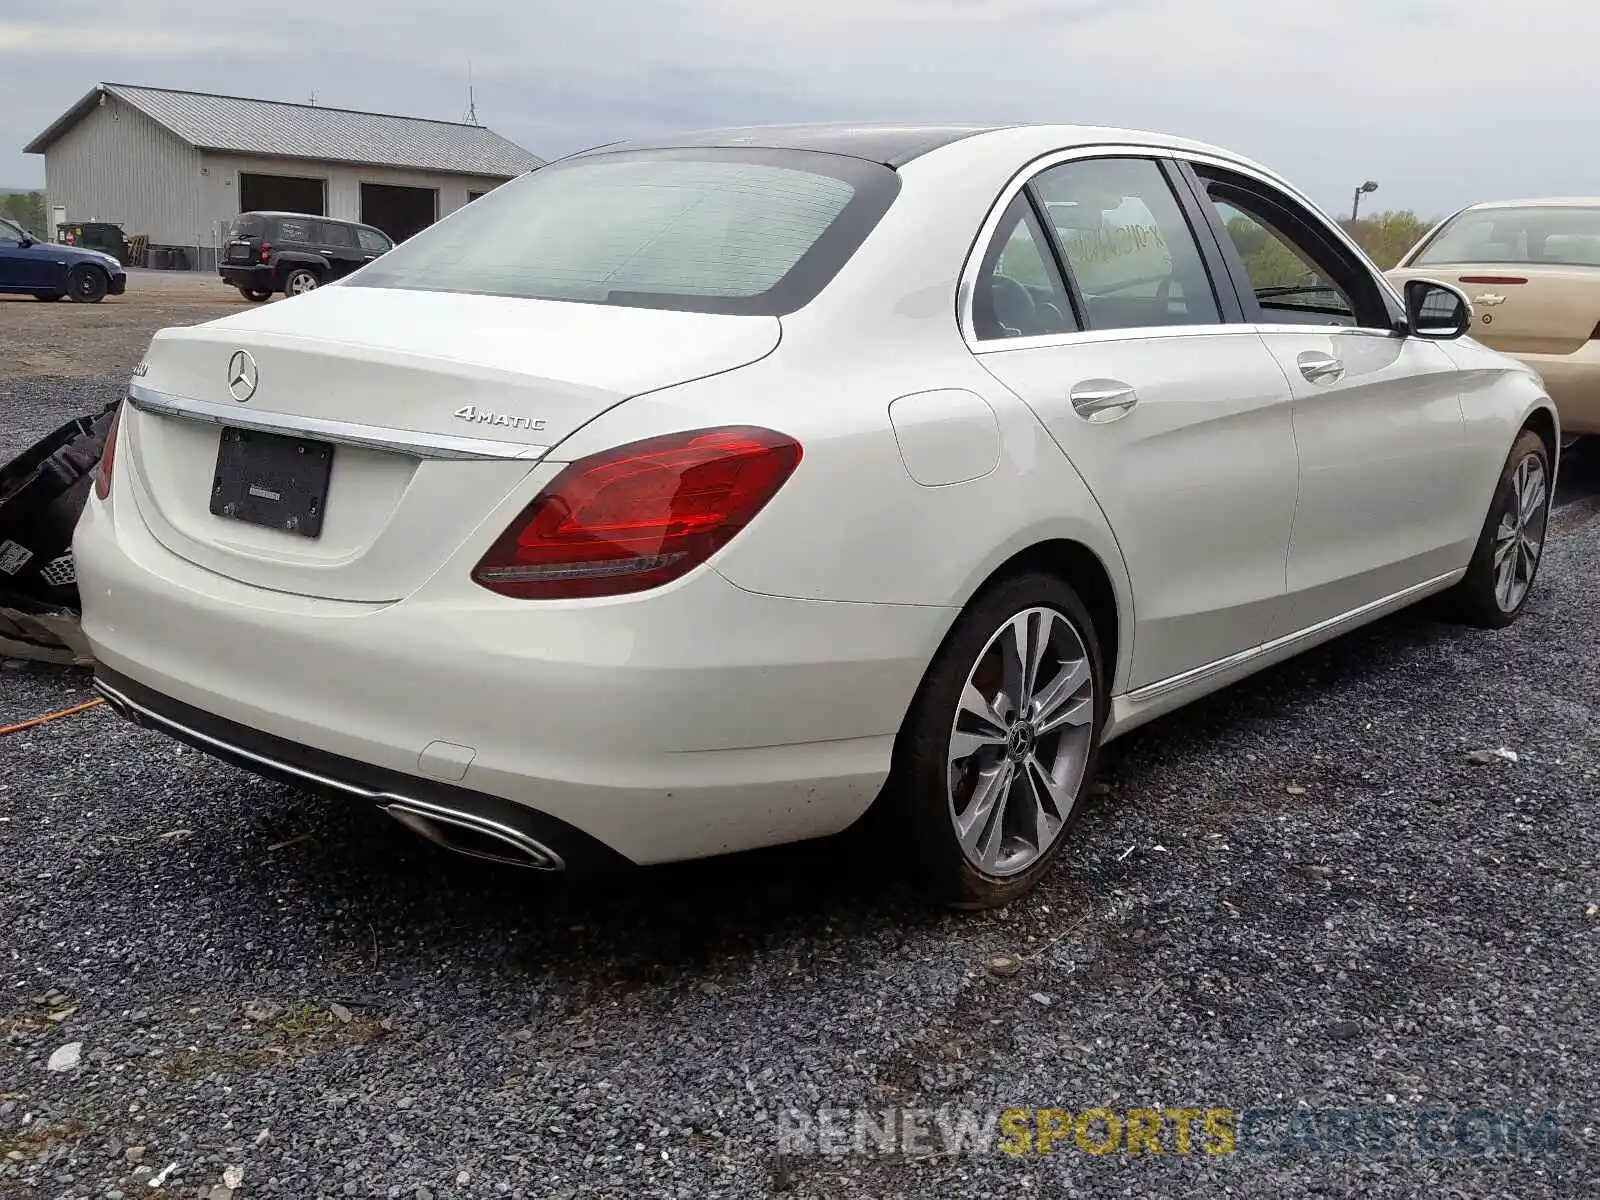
(716,231)
(1528,236)
(1287,282)
(1127,244)
(1293,265)
(373,241)
(1019,292)
(10,234)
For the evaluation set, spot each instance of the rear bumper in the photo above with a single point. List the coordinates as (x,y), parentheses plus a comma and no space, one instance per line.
(504,831)
(698,720)
(258,278)
(1573,381)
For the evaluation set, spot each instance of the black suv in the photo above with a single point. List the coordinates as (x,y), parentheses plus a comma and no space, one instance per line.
(293,253)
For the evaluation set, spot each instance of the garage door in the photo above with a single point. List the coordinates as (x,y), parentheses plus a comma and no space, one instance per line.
(282,193)
(398,211)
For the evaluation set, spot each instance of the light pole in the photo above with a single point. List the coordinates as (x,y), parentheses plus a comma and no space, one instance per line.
(1355,208)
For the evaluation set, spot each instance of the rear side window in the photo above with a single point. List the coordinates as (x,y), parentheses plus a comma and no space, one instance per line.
(1568,237)
(332,233)
(246,225)
(1019,292)
(294,229)
(1127,244)
(715,231)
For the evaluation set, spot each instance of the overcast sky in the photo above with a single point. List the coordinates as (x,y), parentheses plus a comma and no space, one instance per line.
(1442,102)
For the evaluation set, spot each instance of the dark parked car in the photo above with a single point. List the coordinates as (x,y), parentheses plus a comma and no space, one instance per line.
(293,253)
(50,270)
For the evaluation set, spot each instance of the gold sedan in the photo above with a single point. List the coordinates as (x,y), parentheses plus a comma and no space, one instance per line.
(1532,271)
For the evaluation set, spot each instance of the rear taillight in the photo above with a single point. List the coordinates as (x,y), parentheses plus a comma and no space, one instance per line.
(1501,280)
(102,471)
(266,251)
(638,516)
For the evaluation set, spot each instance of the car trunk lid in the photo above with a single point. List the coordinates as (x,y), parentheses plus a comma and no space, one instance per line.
(432,408)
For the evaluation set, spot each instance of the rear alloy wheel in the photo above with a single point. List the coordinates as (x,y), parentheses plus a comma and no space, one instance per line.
(1001,742)
(1497,584)
(86,285)
(300,281)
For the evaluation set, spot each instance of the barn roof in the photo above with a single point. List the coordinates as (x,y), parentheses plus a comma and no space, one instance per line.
(236,125)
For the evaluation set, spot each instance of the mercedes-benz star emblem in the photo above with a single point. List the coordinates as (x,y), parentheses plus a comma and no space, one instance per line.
(242,376)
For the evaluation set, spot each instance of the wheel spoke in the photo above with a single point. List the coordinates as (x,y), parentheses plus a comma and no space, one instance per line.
(1502,583)
(964,745)
(1045,786)
(1503,546)
(976,705)
(1059,692)
(1532,496)
(1027,638)
(979,828)
(1044,823)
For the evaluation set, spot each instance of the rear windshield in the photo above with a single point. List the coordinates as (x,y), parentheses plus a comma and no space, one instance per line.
(1557,236)
(246,225)
(714,231)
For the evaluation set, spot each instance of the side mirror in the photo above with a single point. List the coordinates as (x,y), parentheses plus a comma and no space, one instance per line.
(1436,310)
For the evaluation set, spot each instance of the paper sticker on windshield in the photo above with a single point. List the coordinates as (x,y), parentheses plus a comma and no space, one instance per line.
(13,557)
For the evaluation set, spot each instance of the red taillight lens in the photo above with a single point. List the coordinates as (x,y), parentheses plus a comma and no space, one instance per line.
(102,471)
(266,251)
(638,516)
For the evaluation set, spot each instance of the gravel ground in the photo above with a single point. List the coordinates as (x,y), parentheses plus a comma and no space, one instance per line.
(91,341)
(1301,892)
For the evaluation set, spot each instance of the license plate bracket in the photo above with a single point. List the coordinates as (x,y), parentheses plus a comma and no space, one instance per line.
(273,480)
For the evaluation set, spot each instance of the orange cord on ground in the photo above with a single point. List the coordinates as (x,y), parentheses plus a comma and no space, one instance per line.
(65,712)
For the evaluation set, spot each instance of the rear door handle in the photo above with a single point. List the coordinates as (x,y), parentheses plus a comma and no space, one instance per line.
(1101,400)
(1319,368)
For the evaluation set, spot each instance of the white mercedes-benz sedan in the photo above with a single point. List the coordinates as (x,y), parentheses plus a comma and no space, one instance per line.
(689,496)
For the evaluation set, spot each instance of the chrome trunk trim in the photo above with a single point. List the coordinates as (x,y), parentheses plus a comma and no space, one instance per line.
(343,433)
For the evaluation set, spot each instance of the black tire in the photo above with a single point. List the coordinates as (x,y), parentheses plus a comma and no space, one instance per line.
(919,798)
(255,296)
(50,297)
(86,284)
(1475,600)
(300,281)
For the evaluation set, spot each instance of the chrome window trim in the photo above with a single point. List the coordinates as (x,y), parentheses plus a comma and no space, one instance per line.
(1044,162)
(344,433)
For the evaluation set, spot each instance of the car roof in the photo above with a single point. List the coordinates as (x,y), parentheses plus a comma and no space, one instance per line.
(896,144)
(1545,202)
(272,212)
(892,144)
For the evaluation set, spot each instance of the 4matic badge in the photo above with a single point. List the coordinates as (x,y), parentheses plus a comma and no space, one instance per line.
(471,412)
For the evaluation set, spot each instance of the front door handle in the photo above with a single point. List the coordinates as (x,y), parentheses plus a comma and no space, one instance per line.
(1101,400)
(1320,368)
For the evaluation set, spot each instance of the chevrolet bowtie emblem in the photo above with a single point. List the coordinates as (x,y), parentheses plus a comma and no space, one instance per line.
(1489,299)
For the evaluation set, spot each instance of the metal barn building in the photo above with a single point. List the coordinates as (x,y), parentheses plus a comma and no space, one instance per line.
(179,166)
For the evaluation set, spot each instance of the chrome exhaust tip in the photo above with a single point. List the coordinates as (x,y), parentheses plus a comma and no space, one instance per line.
(474,836)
